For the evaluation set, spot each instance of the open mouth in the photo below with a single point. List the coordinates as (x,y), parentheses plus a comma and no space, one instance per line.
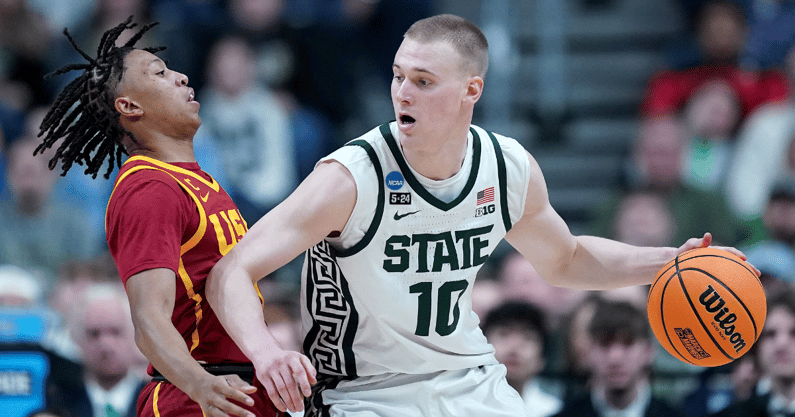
(407,120)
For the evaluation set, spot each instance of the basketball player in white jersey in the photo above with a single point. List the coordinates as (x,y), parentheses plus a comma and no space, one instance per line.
(395,226)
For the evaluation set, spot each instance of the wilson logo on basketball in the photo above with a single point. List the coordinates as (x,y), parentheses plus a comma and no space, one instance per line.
(714,304)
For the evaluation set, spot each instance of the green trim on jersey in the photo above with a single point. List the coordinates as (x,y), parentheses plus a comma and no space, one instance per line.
(503,178)
(379,209)
(415,184)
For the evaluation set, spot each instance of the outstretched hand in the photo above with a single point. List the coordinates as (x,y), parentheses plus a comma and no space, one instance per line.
(213,394)
(703,242)
(288,377)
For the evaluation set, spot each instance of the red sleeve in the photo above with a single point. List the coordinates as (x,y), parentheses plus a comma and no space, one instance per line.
(146,222)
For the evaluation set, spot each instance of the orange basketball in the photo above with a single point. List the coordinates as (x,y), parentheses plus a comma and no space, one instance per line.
(707,307)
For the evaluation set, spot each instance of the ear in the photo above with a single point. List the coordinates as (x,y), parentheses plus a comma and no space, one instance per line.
(127,107)
(474,89)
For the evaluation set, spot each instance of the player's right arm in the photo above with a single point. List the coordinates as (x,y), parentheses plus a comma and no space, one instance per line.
(151,294)
(320,205)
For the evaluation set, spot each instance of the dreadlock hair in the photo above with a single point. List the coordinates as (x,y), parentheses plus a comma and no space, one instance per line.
(84,114)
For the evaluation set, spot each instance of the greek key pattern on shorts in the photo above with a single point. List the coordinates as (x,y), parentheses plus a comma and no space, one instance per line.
(329,342)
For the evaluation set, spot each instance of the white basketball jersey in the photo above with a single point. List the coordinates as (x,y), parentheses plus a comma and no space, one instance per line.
(392,293)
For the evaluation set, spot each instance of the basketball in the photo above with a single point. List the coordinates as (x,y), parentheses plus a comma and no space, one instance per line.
(707,307)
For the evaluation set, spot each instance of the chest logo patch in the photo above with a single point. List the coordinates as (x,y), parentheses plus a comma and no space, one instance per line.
(395,181)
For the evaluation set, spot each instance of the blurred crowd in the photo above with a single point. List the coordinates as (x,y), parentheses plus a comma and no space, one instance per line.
(283,82)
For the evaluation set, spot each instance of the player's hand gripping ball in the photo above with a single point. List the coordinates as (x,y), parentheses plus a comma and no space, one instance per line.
(707,307)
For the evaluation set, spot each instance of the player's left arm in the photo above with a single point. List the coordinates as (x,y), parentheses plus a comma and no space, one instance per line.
(321,204)
(584,262)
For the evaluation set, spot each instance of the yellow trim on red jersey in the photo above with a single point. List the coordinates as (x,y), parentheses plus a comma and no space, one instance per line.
(155,398)
(197,308)
(190,244)
(165,165)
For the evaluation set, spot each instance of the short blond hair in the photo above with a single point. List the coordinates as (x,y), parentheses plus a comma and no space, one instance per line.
(466,37)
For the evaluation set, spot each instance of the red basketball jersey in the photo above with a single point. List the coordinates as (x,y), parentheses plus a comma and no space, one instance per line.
(176,216)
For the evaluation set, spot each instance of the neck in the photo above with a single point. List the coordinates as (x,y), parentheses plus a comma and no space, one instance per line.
(163,148)
(107,382)
(621,398)
(439,160)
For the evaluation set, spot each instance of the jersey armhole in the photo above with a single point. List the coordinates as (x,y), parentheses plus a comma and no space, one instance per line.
(503,181)
(379,209)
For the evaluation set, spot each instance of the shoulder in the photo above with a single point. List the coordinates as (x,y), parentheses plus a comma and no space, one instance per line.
(144,179)
(146,190)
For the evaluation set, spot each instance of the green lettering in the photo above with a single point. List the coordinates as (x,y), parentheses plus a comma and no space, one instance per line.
(473,246)
(402,262)
(450,258)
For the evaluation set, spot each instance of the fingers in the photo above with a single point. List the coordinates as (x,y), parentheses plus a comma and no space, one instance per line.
(226,410)
(288,383)
(231,387)
(707,240)
(307,376)
(236,382)
(273,393)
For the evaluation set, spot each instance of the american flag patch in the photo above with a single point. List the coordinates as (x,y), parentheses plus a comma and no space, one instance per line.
(486,196)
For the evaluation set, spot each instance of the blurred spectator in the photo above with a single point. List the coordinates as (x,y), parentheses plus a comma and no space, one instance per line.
(656,164)
(519,280)
(620,358)
(775,254)
(776,360)
(101,326)
(517,331)
(718,387)
(644,218)
(12,122)
(104,15)
(190,27)
(263,24)
(20,288)
(721,33)
(765,153)
(86,194)
(63,13)
(25,40)
(351,41)
(711,117)
(772,33)
(253,128)
(38,230)
(487,293)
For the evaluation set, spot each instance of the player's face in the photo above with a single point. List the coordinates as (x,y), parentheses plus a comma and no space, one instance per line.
(777,344)
(161,96)
(432,92)
(620,363)
(519,349)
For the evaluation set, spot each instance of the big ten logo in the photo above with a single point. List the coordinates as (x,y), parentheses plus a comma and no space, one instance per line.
(235,228)
(482,211)
(15,383)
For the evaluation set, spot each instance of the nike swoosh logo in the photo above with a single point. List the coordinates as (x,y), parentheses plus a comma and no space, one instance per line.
(400,216)
(204,198)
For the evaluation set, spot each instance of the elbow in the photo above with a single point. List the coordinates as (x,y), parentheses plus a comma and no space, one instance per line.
(561,270)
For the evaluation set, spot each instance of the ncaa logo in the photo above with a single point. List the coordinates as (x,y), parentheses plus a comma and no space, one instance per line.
(394,180)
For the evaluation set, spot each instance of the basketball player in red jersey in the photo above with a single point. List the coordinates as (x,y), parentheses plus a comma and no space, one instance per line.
(168,222)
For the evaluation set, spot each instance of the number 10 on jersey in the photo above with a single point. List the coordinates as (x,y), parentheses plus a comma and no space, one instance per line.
(447,311)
